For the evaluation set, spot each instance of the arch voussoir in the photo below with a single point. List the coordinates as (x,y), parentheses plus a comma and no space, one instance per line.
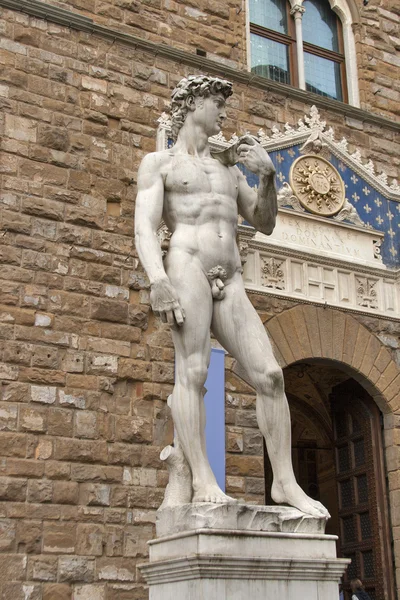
(360,347)
(311,319)
(339,326)
(305,332)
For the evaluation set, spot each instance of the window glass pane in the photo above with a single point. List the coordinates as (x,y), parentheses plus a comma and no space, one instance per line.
(270,14)
(269,59)
(322,76)
(320,25)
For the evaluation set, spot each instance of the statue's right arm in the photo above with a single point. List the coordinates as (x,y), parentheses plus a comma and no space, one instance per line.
(148,213)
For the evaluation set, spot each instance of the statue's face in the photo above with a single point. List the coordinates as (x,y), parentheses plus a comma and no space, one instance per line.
(210,113)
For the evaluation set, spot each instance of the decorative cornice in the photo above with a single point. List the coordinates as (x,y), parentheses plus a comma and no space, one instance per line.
(79,22)
(221,567)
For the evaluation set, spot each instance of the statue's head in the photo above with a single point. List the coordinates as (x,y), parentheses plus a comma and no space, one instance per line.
(190,88)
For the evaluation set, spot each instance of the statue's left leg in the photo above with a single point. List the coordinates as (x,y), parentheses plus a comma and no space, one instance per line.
(239,329)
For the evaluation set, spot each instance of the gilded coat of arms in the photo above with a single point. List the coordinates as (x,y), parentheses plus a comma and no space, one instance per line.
(317,185)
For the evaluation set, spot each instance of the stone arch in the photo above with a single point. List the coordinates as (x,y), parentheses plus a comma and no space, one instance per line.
(310,332)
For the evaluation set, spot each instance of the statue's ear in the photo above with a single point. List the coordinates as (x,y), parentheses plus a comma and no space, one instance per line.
(190,102)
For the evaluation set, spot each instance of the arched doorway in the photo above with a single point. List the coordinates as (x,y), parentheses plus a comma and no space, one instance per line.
(338,459)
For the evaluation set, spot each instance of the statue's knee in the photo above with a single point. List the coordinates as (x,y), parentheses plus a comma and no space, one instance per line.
(269,380)
(196,372)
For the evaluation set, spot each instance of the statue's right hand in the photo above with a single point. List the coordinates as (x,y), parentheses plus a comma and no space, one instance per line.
(164,302)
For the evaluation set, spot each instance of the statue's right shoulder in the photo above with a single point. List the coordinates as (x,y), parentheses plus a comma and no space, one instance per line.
(156,161)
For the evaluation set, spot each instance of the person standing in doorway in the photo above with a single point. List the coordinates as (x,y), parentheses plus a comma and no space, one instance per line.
(358,592)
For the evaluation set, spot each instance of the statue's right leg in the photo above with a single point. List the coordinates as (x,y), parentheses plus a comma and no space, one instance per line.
(192,356)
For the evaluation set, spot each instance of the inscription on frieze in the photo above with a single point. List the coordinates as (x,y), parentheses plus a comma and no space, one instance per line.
(329,238)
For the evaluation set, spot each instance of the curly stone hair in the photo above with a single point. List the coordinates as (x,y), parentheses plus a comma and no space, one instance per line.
(195,85)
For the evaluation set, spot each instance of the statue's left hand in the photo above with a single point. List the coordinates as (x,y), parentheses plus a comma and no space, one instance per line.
(253,156)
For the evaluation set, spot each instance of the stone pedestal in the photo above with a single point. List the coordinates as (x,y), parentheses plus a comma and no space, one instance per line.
(240,552)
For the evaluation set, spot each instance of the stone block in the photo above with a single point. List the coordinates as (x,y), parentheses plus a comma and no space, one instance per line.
(65,492)
(75,400)
(15,392)
(90,539)
(116,569)
(89,592)
(102,364)
(76,568)
(93,494)
(135,540)
(29,536)
(40,491)
(8,417)
(59,538)
(109,310)
(8,372)
(12,567)
(44,394)
(81,450)
(57,591)
(59,422)
(13,489)
(42,568)
(7,535)
(86,424)
(245,466)
(133,429)
(20,128)
(53,137)
(33,419)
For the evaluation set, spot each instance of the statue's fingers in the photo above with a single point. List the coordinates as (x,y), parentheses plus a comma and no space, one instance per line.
(243,147)
(179,316)
(248,139)
(170,318)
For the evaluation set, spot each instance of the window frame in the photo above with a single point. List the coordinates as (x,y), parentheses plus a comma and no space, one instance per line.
(288,39)
(332,55)
(347,14)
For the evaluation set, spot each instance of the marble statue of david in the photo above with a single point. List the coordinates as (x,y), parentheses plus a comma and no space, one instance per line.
(199,284)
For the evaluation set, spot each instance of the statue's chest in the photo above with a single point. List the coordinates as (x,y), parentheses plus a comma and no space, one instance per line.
(191,175)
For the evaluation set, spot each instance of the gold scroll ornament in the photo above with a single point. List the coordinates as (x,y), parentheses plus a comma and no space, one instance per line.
(317,185)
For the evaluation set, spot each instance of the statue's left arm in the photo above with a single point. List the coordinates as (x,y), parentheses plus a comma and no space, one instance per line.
(259,207)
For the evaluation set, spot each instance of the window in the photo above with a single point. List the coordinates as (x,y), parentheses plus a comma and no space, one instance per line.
(306,46)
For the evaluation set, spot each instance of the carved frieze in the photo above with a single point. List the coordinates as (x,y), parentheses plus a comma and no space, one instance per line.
(272,273)
(367,294)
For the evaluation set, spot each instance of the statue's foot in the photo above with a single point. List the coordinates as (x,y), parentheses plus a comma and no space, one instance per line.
(212,493)
(293,495)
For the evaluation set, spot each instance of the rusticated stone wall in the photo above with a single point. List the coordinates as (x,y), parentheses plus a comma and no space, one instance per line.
(85,367)
(219,29)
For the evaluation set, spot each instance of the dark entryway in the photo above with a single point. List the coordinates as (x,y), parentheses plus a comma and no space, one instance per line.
(338,459)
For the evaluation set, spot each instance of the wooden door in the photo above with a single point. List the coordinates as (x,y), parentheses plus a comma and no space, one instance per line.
(364,534)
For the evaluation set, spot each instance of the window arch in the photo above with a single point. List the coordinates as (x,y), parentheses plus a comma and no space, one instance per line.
(305,43)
